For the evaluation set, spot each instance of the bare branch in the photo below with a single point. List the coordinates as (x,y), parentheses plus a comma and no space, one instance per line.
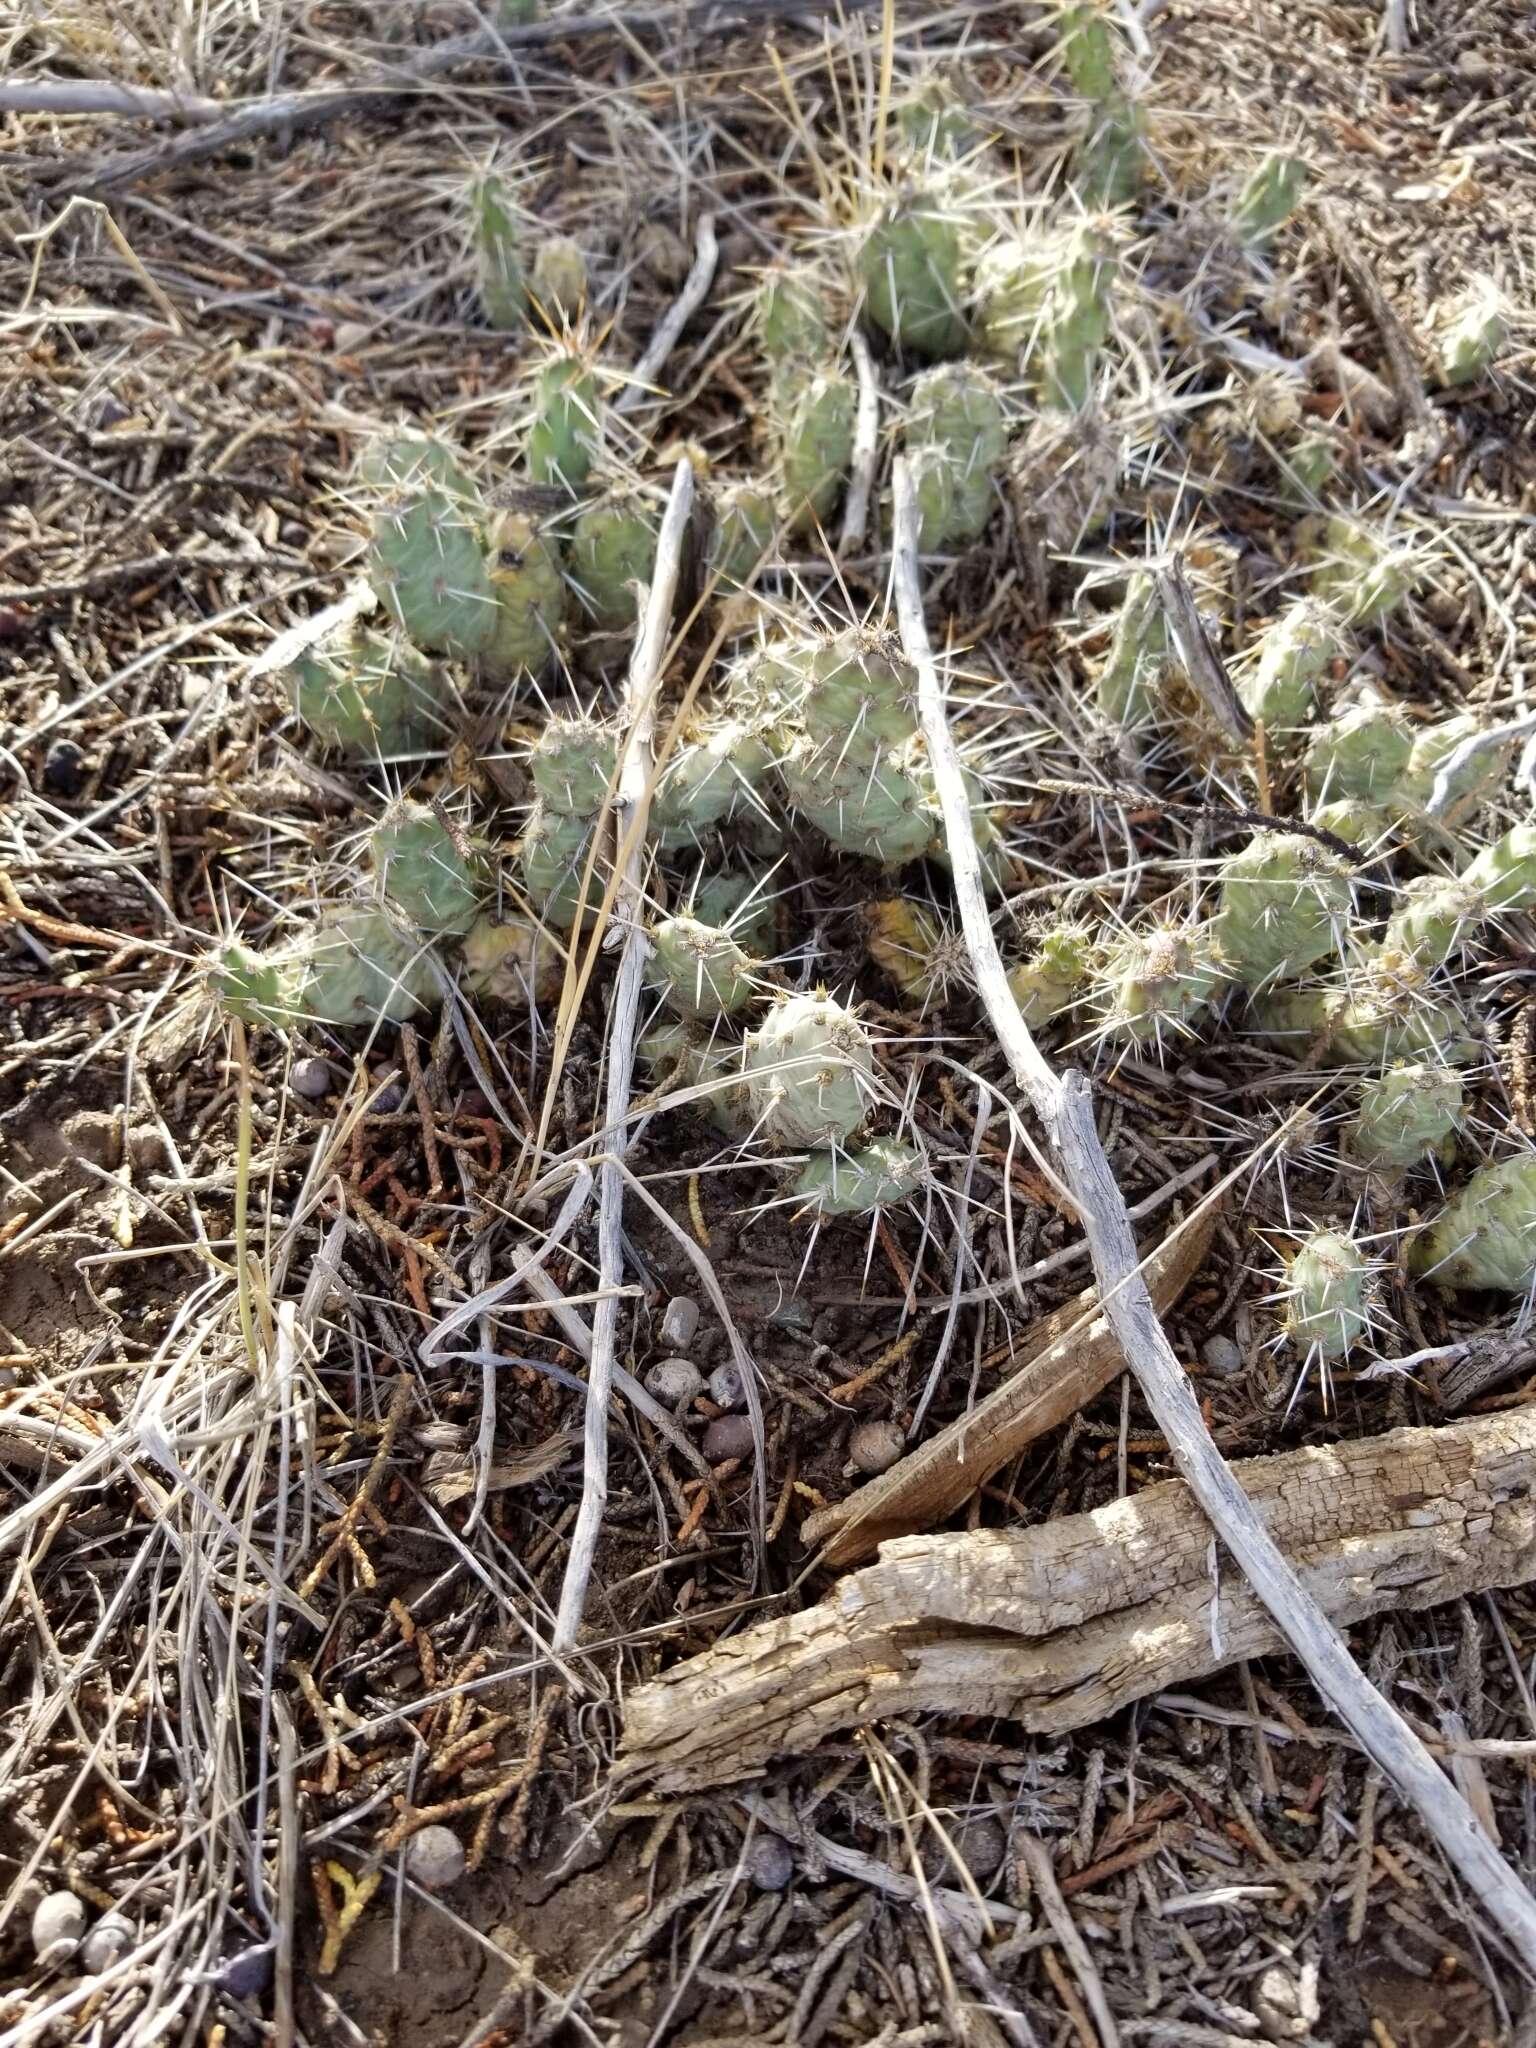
(866,448)
(664,340)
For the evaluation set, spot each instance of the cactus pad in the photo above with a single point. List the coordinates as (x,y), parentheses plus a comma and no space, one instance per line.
(612,550)
(1291,657)
(426,870)
(1328,1294)
(700,969)
(1485,1236)
(369,695)
(810,1073)
(1405,1115)
(856,1183)
(911,265)
(1284,904)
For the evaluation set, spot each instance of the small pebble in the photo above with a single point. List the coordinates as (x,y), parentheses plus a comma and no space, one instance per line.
(679,1321)
(311,1078)
(387,1100)
(980,1844)
(57,1926)
(247,1974)
(1221,1356)
(63,769)
(727,1389)
(674,1381)
(770,1863)
(875,1446)
(435,1858)
(111,1938)
(730,1437)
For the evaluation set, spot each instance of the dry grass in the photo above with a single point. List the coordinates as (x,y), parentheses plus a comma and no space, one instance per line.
(275,1590)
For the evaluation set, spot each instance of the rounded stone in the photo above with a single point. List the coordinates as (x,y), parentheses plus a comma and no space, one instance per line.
(727,1389)
(1221,1356)
(64,769)
(674,1381)
(109,1940)
(679,1321)
(729,1437)
(311,1078)
(435,1858)
(770,1863)
(875,1446)
(247,1974)
(979,1843)
(57,1925)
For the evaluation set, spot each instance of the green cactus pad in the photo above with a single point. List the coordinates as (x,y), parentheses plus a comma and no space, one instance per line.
(1362,574)
(1268,199)
(790,317)
(880,807)
(814,430)
(259,989)
(739,904)
(1504,874)
(612,550)
(1012,288)
(809,1072)
(395,461)
(932,123)
(498,253)
(1156,981)
(1485,1236)
(426,871)
(709,780)
(1472,333)
(1285,901)
(1088,47)
(1472,784)
(573,764)
(1135,673)
(1404,1116)
(427,564)
(700,969)
(565,434)
(551,857)
(1291,657)
(1309,464)
(1056,974)
(1328,1294)
(1372,1028)
(680,1054)
(353,968)
(1435,915)
(559,278)
(1362,753)
(528,593)
(857,1183)
(745,522)
(912,267)
(1111,160)
(369,695)
(1360,824)
(957,408)
(935,486)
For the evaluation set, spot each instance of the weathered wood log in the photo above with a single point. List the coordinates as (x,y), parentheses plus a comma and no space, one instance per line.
(1062,1362)
(1058,1626)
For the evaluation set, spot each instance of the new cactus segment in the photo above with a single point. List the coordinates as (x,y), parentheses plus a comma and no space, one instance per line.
(558,280)
(789,317)
(1406,1115)
(573,764)
(1359,572)
(809,1073)
(911,263)
(1284,903)
(551,857)
(498,254)
(1268,199)
(426,868)
(1362,753)
(1504,874)
(908,943)
(427,564)
(1158,981)
(1435,915)
(1134,675)
(813,423)
(1110,159)
(565,433)
(956,414)
(1383,1021)
(352,968)
(1057,973)
(1328,1295)
(612,550)
(932,123)
(745,519)
(1292,655)
(700,969)
(1485,1236)
(856,1183)
(708,781)
(1472,783)
(369,695)
(1471,333)
(737,903)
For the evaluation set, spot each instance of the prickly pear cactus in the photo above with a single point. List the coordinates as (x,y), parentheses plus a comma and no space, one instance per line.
(1135,673)
(426,869)
(1504,874)
(681,1053)
(1384,1020)
(259,989)
(813,431)
(353,968)
(856,692)
(393,461)
(1075,321)
(956,411)
(1362,574)
(1328,1295)
(1284,904)
(933,125)
(700,969)
(1471,333)
(510,959)
(934,485)
(1471,784)
(427,564)
(612,551)
(709,780)
(1057,973)
(1268,199)
(1111,159)
(1290,658)
(498,253)
(880,806)
(1156,982)
(745,520)
(565,433)
(911,264)
(558,281)
(810,1072)
(1012,285)
(369,695)
(551,858)
(1434,917)
(789,317)
(1485,1236)
(1362,753)
(1406,1115)
(1367,826)
(527,595)
(857,1183)
(739,903)
(573,765)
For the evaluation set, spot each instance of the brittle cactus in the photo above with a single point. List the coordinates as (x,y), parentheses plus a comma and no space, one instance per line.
(1057,973)
(1075,321)
(1361,753)
(1485,1236)
(1471,333)
(1472,783)
(510,959)
(1358,824)
(1382,1020)
(1328,1295)
(392,460)
(679,1054)
(1157,981)
(809,1072)
(932,123)
(789,317)
(957,410)
(497,239)
(573,764)
(745,520)
(700,969)
(708,781)
(1110,159)
(1290,658)
(856,1183)
(880,806)
(911,263)
(1285,900)
(426,868)
(1435,915)
(1504,874)
(813,422)
(1406,1115)
(565,433)
(352,968)
(1362,574)
(558,281)
(736,902)
(369,695)
(856,691)
(1132,680)
(527,594)
(427,564)
(1268,199)
(612,550)
(908,942)
(551,857)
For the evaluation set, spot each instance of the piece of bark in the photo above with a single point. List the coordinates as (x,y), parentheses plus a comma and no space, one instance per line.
(1058,1626)
(1063,1361)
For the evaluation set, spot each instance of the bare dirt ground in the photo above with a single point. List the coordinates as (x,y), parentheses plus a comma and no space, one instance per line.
(255,1630)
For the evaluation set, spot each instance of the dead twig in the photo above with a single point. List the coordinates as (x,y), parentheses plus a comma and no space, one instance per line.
(696,284)
(866,448)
